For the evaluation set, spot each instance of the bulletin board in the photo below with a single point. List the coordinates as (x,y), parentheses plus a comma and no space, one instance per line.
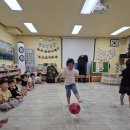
(48,50)
(100,67)
(6,51)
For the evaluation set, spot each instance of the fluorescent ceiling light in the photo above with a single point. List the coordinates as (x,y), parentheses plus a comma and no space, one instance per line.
(13,4)
(30,27)
(120,30)
(89,6)
(76,29)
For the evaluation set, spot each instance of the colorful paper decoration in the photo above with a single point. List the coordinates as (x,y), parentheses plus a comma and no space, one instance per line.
(105,55)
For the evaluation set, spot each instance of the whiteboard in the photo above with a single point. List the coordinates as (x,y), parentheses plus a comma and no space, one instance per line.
(73,48)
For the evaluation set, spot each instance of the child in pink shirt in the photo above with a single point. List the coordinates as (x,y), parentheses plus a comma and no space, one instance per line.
(70,73)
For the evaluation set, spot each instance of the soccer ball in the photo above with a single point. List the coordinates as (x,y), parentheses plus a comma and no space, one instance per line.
(74,108)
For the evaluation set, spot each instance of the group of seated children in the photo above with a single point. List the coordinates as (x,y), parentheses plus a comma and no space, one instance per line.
(12,91)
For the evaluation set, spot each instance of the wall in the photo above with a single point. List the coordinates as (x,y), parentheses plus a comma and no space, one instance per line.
(104,44)
(5,36)
(32,42)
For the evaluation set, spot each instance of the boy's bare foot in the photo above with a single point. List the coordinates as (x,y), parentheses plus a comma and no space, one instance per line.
(20,100)
(1,125)
(10,106)
(122,103)
(68,105)
(80,101)
(3,121)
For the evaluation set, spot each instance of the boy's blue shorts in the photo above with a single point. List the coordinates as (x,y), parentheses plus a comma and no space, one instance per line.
(69,88)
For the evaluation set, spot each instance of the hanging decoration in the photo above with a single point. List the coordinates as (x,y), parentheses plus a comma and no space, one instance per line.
(103,55)
(48,51)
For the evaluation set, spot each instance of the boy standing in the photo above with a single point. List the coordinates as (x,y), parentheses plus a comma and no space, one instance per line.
(70,74)
(125,83)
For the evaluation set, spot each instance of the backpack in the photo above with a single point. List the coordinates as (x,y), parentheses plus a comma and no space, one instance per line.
(52,73)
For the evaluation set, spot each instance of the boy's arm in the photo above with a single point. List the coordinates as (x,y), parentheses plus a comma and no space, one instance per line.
(58,77)
(122,75)
(76,73)
(10,96)
(1,99)
(62,73)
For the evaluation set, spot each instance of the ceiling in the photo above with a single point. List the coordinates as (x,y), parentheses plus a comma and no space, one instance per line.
(58,17)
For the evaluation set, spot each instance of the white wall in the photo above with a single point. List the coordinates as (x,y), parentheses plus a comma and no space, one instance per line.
(73,48)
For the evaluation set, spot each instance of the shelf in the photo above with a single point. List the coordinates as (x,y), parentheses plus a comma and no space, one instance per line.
(8,73)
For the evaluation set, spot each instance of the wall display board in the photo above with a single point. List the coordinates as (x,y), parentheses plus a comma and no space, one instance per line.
(6,51)
(105,55)
(48,50)
(29,56)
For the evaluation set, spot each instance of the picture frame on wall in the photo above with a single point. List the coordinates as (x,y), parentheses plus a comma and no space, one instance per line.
(114,43)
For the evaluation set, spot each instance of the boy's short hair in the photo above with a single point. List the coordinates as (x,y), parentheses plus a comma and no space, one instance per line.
(18,79)
(128,63)
(24,75)
(70,61)
(3,81)
(0,82)
(25,72)
(39,74)
(32,74)
(11,81)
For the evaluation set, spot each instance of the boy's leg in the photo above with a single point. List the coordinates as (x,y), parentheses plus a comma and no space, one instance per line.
(19,98)
(24,88)
(75,91)
(5,106)
(24,92)
(1,125)
(122,99)
(68,93)
(14,102)
(129,99)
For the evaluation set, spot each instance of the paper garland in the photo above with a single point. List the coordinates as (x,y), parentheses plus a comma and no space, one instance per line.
(47,57)
(47,50)
(105,55)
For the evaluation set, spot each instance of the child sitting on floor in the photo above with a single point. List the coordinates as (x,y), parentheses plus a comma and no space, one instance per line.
(18,91)
(20,87)
(25,84)
(6,102)
(31,80)
(14,90)
(38,79)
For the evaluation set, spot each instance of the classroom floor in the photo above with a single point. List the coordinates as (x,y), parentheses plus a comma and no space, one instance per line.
(45,109)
